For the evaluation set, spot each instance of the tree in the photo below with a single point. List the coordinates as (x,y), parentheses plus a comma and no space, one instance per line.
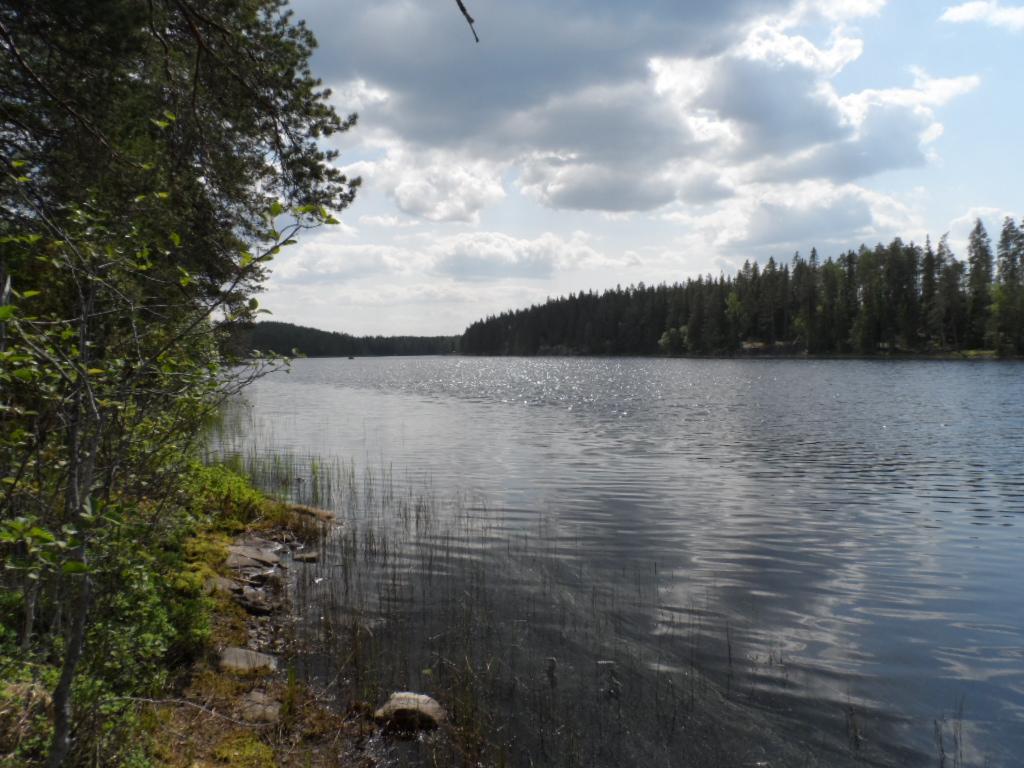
(979,285)
(156,156)
(950,303)
(930,330)
(1009,293)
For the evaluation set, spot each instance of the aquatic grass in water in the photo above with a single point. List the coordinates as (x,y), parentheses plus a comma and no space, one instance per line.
(538,660)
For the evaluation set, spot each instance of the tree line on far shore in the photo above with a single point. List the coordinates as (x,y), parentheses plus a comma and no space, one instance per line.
(285,339)
(895,298)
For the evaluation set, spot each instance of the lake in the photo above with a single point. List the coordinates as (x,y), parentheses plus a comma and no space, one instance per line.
(832,549)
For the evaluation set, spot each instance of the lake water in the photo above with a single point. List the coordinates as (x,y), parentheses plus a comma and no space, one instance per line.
(838,546)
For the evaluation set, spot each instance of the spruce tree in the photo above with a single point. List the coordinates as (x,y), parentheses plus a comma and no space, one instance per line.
(929,287)
(979,285)
(1008,297)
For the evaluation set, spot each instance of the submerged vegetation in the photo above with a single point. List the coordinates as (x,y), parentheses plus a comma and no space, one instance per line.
(899,298)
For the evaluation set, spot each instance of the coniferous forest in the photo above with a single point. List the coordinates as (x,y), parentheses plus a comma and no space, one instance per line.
(286,339)
(897,298)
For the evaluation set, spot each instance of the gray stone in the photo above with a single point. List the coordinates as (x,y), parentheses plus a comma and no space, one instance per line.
(240,562)
(262,556)
(259,707)
(255,602)
(410,711)
(244,660)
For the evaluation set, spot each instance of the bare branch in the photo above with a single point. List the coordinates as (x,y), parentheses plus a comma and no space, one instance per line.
(469,19)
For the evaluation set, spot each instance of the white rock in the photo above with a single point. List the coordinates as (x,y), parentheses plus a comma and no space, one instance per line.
(408,711)
(258,707)
(244,660)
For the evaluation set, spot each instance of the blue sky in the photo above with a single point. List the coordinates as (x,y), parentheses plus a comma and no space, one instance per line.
(584,144)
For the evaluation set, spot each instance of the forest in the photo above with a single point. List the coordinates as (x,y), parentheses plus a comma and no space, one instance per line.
(287,339)
(897,298)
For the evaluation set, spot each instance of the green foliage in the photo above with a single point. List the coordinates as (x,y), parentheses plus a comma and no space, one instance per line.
(147,178)
(219,488)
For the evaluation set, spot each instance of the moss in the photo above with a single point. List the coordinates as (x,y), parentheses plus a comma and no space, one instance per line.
(244,750)
(210,685)
(209,548)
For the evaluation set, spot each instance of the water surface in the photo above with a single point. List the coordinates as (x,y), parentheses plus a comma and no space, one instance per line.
(845,535)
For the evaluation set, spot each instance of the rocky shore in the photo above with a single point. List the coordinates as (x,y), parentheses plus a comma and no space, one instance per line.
(242,707)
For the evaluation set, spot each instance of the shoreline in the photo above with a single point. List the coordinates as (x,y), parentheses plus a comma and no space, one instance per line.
(973,356)
(242,704)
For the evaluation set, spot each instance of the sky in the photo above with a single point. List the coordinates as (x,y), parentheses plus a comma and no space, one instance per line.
(584,144)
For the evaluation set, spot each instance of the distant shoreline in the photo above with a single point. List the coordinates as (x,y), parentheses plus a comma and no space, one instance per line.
(967,357)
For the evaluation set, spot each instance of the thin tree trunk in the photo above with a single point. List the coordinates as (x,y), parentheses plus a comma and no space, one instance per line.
(60,746)
(31,592)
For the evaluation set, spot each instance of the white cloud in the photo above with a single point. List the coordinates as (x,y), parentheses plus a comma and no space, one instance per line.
(989,11)
(927,93)
(436,185)
(495,255)
(357,95)
(561,182)
(769,42)
(389,222)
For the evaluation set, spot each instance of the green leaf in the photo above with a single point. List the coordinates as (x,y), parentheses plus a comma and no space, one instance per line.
(276,209)
(161,124)
(40,533)
(176,239)
(6,312)
(29,294)
(75,566)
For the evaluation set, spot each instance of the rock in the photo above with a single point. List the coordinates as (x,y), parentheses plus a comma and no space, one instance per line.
(246,555)
(305,557)
(220,584)
(243,660)
(259,707)
(251,540)
(265,578)
(240,562)
(255,602)
(409,711)
(323,515)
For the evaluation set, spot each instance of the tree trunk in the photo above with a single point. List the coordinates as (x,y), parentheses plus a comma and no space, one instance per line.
(60,746)
(31,592)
